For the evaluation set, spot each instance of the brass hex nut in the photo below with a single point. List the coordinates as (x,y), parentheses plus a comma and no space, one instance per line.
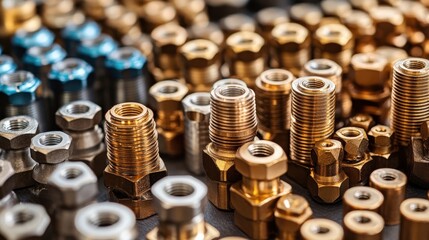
(51,147)
(327,153)
(354,140)
(333,38)
(142,207)
(78,116)
(16,132)
(245,46)
(369,70)
(364,121)
(290,37)
(199,53)
(220,166)
(167,95)
(219,194)
(325,190)
(168,38)
(359,172)
(381,136)
(382,150)
(254,229)
(6,178)
(388,20)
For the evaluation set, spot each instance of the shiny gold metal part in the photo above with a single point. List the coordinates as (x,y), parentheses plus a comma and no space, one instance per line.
(362,198)
(363,225)
(134,164)
(209,31)
(157,13)
(389,26)
(56,14)
(336,9)
(414,219)
(306,14)
(321,229)
(191,11)
(121,21)
(391,183)
(268,18)
(361,25)
(360,120)
(364,5)
(96,9)
(381,147)
(417,161)
(18,14)
(237,23)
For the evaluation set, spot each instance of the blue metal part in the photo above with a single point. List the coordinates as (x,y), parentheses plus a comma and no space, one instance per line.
(101,46)
(19,88)
(23,40)
(42,56)
(7,65)
(73,35)
(126,62)
(71,74)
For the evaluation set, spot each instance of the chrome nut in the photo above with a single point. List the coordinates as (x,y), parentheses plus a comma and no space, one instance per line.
(167,95)
(7,202)
(78,116)
(50,147)
(16,132)
(74,183)
(6,178)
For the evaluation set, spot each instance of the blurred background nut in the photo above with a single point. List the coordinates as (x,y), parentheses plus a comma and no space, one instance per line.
(121,21)
(24,39)
(7,183)
(270,17)
(361,25)
(306,14)
(209,31)
(362,224)
(157,13)
(417,163)
(389,26)
(382,150)
(334,8)
(320,228)
(362,198)
(414,219)
(76,32)
(191,12)
(361,120)
(8,201)
(237,22)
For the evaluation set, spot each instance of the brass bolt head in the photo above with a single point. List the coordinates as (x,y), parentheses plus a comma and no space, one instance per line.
(381,135)
(169,37)
(354,140)
(370,70)
(364,121)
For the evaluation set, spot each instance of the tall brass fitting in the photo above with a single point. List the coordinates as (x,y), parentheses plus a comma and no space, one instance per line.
(312,120)
(327,182)
(358,163)
(363,225)
(246,56)
(410,100)
(290,213)
(273,89)
(414,219)
(200,63)
(417,161)
(306,14)
(361,25)
(270,17)
(382,149)
(228,130)
(362,198)
(166,98)
(134,164)
(254,198)
(360,120)
(334,42)
(290,46)
(391,183)
(321,229)
(389,26)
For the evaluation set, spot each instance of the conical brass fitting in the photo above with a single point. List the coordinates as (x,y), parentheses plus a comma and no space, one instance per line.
(134,164)
(410,99)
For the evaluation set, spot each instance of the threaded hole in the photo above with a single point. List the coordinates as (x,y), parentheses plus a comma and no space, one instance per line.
(199,48)
(39,51)
(168,89)
(125,54)
(327,144)
(289,33)
(350,133)
(414,64)
(381,129)
(260,150)
(179,189)
(320,230)
(103,219)
(50,140)
(320,66)
(388,176)
(361,118)
(77,109)
(277,76)
(22,217)
(416,207)
(313,83)
(16,78)
(362,219)
(71,173)
(232,91)
(16,124)
(333,33)
(69,65)
(245,41)
(201,100)
(362,195)
(128,110)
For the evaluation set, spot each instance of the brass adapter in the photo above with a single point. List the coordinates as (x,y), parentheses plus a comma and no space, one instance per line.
(363,225)
(381,147)
(362,198)
(414,219)
(268,18)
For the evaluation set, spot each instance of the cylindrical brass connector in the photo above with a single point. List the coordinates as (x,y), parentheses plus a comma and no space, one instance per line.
(391,183)
(381,147)
(414,219)
(410,101)
(321,229)
(273,89)
(291,212)
(363,225)
(360,120)
(246,56)
(133,160)
(361,25)
(201,61)
(362,198)
(290,46)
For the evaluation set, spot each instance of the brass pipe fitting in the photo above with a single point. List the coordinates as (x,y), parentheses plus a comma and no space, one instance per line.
(409,99)
(362,27)
(381,147)
(268,18)
(290,46)
(18,14)
(362,198)
(306,14)
(321,229)
(414,219)
(191,12)
(166,98)
(228,81)
(254,198)
(358,163)
(201,62)
(363,225)
(180,202)
(96,9)
(273,89)
(391,183)
(334,42)
(133,160)
(210,31)
(290,213)
(335,9)
(327,182)
(417,162)
(237,22)
(57,14)
(228,130)
(361,120)
(313,119)
(156,13)
(389,26)
(121,21)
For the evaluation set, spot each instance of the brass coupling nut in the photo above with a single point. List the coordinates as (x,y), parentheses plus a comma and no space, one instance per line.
(254,198)
(414,219)
(321,229)
(327,182)
(381,147)
(133,159)
(362,198)
(361,120)
(180,202)
(363,225)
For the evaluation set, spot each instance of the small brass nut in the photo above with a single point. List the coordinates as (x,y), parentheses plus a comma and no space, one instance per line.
(16,132)
(362,224)
(7,183)
(199,53)
(219,193)
(141,206)
(51,147)
(333,38)
(364,121)
(362,198)
(381,147)
(78,116)
(245,46)
(369,70)
(167,95)
(319,228)
(417,162)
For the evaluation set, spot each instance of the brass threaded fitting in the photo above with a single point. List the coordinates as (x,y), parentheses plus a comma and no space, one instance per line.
(306,14)
(410,101)
(321,229)
(361,25)
(414,219)
(362,224)
(191,12)
(18,14)
(389,26)
(312,115)
(382,149)
(156,13)
(361,120)
(362,198)
(237,22)
(324,68)
(270,17)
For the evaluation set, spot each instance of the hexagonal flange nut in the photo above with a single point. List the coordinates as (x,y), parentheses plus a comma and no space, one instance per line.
(327,190)
(417,162)
(256,208)
(261,160)
(171,142)
(133,186)
(78,116)
(369,70)
(291,212)
(359,172)
(16,132)
(142,207)
(6,178)
(245,46)
(199,53)
(290,37)
(51,147)
(333,38)
(167,95)
(74,183)
(24,221)
(354,140)
(219,166)
(71,74)
(19,88)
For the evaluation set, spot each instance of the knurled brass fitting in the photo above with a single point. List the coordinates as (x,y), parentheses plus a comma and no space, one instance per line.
(327,182)
(336,9)
(191,12)
(155,13)
(361,25)
(56,14)
(246,56)
(209,31)
(166,98)
(273,89)
(290,213)
(121,21)
(362,198)
(270,17)
(409,99)
(167,40)
(290,46)
(334,42)
(321,229)
(381,147)
(18,14)
(306,14)
(200,63)
(363,225)
(417,161)
(228,130)
(391,183)
(358,163)
(414,219)
(312,120)
(389,26)
(237,22)
(254,198)
(180,202)
(360,120)
(134,164)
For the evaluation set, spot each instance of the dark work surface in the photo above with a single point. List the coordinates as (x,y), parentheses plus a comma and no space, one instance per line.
(222,220)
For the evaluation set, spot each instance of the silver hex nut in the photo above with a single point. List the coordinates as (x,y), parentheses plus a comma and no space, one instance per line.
(50,147)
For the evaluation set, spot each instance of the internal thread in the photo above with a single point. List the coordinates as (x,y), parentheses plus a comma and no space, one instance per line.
(22,217)
(415,207)
(320,230)
(16,124)
(233,119)
(410,101)
(179,189)
(200,100)
(312,115)
(362,195)
(71,173)
(362,219)
(324,68)
(103,219)
(168,89)
(388,176)
(77,109)
(131,139)
(260,150)
(16,78)
(50,140)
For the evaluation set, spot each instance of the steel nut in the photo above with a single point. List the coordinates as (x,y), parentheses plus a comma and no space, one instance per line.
(167,95)
(6,178)
(74,183)
(219,168)
(50,147)
(199,53)
(328,191)
(354,140)
(78,116)
(16,132)
(370,70)
(197,106)
(245,46)
(291,212)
